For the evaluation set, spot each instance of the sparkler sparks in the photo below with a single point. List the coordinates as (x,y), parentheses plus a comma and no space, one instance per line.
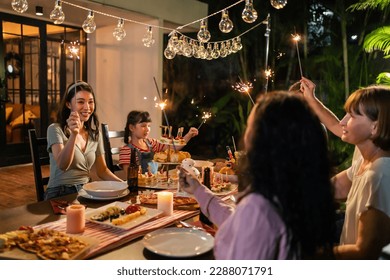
(244,88)
(74,49)
(205,117)
(296,39)
(162,104)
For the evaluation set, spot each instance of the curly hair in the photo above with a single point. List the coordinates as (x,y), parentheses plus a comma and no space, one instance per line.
(133,118)
(92,125)
(287,163)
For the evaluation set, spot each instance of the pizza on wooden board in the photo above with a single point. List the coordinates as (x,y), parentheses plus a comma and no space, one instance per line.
(151,198)
(45,243)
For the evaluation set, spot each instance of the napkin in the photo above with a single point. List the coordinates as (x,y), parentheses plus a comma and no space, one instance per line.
(59,206)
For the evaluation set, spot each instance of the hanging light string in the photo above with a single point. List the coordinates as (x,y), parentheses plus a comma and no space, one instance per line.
(211,15)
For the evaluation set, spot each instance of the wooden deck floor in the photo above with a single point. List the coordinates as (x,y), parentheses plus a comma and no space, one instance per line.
(17,185)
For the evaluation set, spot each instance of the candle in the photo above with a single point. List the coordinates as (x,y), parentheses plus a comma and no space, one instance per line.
(165,202)
(75,218)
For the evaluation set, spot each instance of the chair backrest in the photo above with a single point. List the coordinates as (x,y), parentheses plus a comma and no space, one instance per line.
(40,157)
(110,151)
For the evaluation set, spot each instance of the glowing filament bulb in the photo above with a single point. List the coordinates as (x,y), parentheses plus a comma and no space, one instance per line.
(203,34)
(249,14)
(278,4)
(225,25)
(148,39)
(119,31)
(57,15)
(89,24)
(19,6)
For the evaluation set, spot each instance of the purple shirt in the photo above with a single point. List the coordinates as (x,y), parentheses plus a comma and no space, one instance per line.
(253,230)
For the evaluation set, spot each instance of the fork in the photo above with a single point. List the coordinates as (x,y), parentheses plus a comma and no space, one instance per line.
(187,225)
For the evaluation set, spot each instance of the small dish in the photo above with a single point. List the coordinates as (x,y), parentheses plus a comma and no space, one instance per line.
(105,188)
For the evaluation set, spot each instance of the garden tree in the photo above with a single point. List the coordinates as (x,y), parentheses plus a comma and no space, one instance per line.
(378,39)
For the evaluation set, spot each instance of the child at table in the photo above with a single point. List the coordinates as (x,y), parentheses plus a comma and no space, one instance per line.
(286,209)
(137,130)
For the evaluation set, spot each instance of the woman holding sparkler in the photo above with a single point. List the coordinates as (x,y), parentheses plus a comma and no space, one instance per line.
(137,130)
(75,144)
(366,183)
(286,210)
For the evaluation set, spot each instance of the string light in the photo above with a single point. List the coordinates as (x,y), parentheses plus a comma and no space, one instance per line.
(19,6)
(119,31)
(148,39)
(249,14)
(278,4)
(89,24)
(185,46)
(226,24)
(57,15)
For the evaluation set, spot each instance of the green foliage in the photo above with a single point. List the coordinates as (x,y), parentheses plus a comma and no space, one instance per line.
(383,79)
(379,39)
(369,4)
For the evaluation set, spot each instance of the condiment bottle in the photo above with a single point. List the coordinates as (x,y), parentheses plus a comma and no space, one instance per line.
(132,173)
(207,183)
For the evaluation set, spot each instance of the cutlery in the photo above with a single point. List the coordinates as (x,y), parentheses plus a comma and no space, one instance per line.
(187,225)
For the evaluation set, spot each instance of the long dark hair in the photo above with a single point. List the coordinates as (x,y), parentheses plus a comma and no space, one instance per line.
(133,118)
(92,125)
(287,163)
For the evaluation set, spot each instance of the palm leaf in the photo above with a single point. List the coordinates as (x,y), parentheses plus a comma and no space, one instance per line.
(379,39)
(369,4)
(383,79)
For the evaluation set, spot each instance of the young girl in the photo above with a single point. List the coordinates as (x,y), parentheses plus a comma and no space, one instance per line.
(136,136)
(75,143)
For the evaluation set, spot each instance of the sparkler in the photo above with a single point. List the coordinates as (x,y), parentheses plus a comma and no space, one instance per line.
(296,39)
(205,117)
(162,105)
(244,88)
(74,49)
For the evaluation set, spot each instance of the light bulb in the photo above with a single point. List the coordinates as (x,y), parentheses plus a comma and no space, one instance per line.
(209,52)
(203,34)
(215,53)
(237,45)
(249,14)
(223,52)
(225,25)
(169,53)
(57,14)
(89,24)
(119,32)
(187,49)
(19,6)
(148,39)
(278,4)
(202,52)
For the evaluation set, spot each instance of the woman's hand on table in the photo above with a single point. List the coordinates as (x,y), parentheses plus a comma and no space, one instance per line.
(188,182)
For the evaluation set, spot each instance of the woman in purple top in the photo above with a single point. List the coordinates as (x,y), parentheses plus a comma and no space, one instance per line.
(286,211)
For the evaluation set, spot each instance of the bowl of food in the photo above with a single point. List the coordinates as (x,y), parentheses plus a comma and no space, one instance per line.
(105,188)
(203,163)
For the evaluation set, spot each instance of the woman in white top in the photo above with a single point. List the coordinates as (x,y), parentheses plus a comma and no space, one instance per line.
(366,184)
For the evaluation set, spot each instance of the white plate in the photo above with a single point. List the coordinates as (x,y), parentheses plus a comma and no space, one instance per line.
(170,144)
(150,214)
(233,188)
(178,242)
(105,188)
(84,194)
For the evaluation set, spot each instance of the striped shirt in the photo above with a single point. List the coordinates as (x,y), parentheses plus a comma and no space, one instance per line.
(125,151)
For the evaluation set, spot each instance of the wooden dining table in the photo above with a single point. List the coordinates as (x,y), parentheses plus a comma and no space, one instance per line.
(41,214)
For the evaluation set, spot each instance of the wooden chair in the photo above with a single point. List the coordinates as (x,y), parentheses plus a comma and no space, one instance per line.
(109,135)
(40,157)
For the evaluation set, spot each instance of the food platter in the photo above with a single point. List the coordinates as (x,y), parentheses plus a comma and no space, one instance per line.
(150,214)
(231,188)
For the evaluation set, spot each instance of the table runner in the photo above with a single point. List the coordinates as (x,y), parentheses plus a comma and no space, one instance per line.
(109,238)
